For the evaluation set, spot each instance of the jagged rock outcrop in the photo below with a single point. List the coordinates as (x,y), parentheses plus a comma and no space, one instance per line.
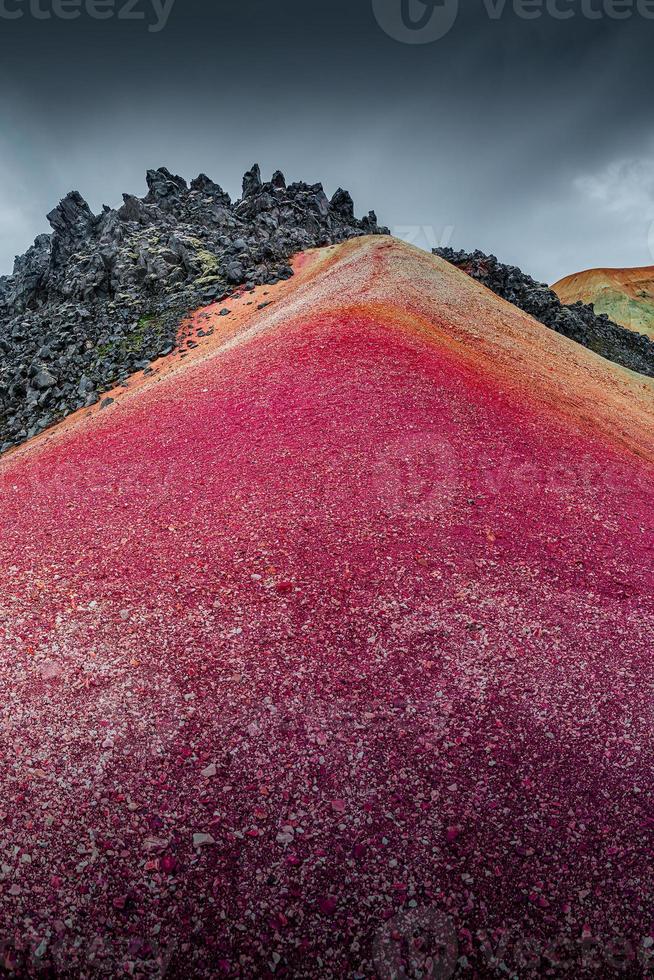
(102,296)
(578,321)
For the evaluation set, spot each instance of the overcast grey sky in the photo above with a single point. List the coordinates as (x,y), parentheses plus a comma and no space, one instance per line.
(533,139)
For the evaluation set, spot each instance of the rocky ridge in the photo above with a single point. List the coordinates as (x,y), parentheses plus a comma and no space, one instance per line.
(103,295)
(578,321)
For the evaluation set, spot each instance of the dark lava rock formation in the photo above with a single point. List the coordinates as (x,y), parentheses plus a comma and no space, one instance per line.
(578,322)
(103,295)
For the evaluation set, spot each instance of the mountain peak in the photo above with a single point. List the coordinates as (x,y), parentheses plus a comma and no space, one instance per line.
(103,295)
(252,181)
(162,184)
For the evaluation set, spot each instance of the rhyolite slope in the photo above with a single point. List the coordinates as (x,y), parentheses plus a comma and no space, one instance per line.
(339,622)
(625,295)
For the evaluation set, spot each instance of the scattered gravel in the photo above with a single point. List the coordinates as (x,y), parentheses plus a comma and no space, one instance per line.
(387,662)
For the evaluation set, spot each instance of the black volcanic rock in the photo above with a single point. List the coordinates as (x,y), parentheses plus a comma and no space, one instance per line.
(342,203)
(205,186)
(30,272)
(163,186)
(579,322)
(252,182)
(103,295)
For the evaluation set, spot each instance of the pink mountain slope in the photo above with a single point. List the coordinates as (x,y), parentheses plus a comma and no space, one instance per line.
(338,626)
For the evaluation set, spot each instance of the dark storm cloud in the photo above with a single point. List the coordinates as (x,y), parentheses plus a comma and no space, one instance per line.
(532,137)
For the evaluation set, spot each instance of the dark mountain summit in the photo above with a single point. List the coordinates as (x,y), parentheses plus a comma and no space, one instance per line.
(102,296)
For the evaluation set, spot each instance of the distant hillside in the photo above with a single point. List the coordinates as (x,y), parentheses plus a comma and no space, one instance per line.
(625,295)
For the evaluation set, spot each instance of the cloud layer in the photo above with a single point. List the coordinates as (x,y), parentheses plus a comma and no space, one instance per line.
(529,138)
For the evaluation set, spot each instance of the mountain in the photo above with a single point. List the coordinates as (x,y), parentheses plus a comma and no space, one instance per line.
(334,626)
(104,294)
(625,295)
(576,320)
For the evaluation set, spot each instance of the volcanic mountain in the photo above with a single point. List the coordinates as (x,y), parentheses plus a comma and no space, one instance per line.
(103,295)
(625,295)
(333,629)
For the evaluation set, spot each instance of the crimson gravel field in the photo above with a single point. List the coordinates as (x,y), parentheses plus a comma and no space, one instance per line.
(338,623)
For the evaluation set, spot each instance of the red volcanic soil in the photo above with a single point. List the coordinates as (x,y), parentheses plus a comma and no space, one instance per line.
(338,626)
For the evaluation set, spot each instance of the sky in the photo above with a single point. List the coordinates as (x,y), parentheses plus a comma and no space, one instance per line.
(521,127)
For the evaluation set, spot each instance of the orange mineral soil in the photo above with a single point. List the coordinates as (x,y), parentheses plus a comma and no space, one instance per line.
(334,630)
(626,295)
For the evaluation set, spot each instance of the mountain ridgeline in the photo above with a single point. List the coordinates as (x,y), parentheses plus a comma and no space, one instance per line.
(103,295)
